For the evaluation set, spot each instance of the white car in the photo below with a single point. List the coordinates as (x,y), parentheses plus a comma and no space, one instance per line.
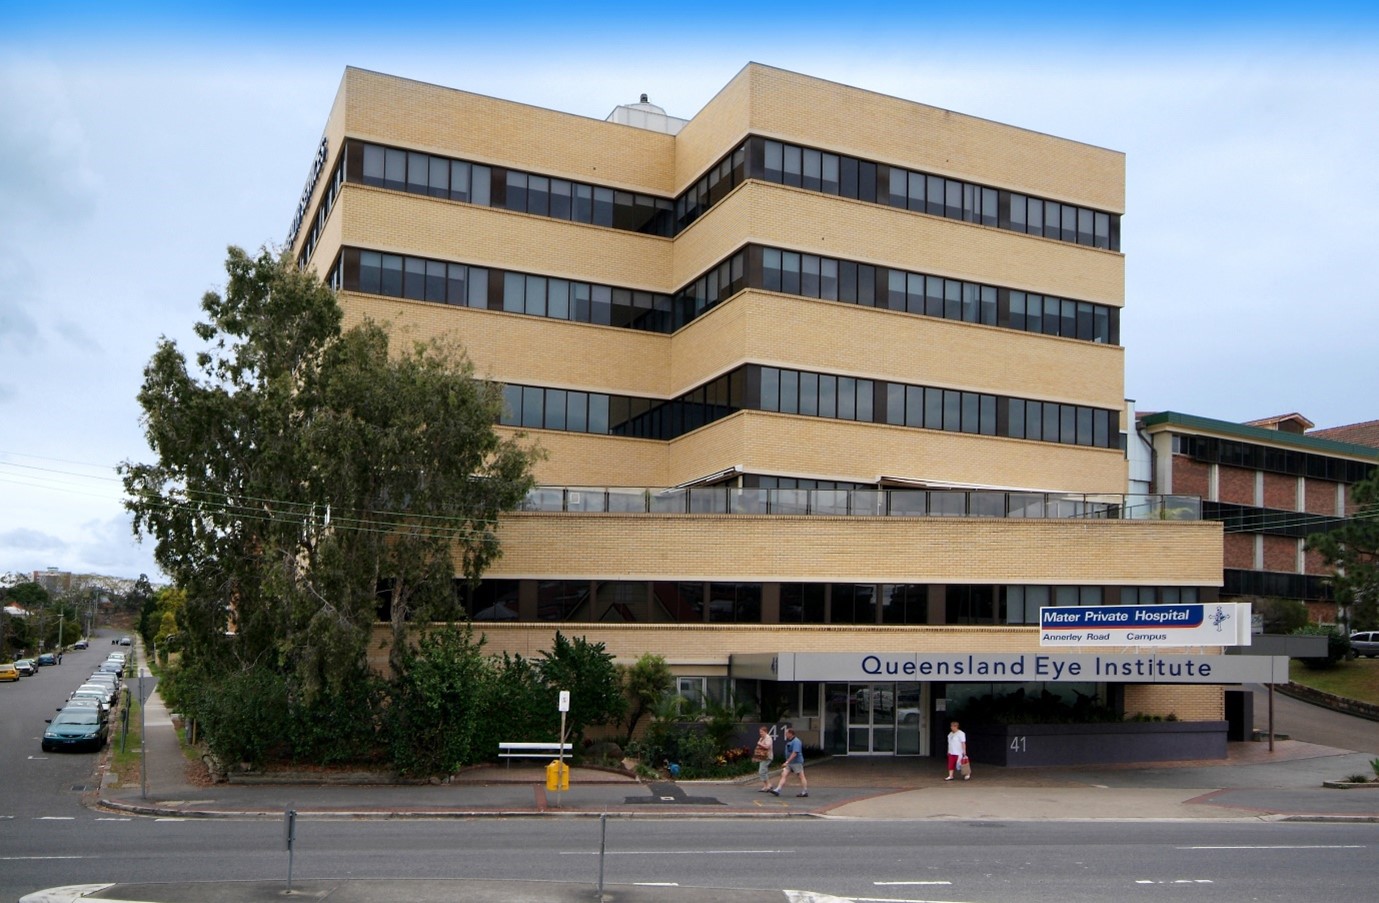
(105,679)
(96,693)
(106,691)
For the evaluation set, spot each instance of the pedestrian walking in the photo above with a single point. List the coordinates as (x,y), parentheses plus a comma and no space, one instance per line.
(957,751)
(764,752)
(794,764)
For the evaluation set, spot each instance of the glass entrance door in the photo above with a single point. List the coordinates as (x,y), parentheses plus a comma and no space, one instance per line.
(872,719)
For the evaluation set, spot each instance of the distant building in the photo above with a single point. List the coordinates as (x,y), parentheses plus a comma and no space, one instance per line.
(54,581)
(1272,483)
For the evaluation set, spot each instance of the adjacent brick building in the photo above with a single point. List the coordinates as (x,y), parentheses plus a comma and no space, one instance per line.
(1272,483)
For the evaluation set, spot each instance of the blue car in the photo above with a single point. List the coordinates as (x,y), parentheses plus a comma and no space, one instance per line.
(76,729)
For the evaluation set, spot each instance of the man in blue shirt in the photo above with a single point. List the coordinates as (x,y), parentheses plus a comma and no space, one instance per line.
(794,764)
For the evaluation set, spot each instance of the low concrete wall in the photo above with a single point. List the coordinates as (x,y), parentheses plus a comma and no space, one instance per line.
(1027,745)
(1327,700)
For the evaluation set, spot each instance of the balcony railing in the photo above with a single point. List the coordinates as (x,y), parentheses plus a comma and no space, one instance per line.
(862,502)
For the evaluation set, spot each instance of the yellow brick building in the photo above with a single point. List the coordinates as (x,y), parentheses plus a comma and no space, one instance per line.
(817,370)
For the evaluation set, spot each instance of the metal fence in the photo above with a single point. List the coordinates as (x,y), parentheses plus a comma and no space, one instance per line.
(862,503)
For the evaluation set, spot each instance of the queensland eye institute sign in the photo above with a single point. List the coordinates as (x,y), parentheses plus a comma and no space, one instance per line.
(1206,624)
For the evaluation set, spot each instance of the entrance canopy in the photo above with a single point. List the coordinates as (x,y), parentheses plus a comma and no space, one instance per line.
(1148,668)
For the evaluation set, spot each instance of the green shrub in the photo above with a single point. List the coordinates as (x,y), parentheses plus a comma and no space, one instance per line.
(437,703)
(1337,646)
(343,726)
(517,705)
(244,715)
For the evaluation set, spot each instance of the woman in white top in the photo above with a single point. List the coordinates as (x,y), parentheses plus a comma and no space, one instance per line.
(957,750)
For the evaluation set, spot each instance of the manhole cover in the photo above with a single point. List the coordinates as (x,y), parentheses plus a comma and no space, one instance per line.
(670,794)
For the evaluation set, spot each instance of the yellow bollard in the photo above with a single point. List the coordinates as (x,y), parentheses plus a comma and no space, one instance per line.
(557,775)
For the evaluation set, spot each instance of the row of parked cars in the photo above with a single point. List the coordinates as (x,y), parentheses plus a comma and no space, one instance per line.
(83,722)
(28,667)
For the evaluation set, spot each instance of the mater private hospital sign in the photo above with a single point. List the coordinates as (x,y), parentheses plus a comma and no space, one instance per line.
(1204,624)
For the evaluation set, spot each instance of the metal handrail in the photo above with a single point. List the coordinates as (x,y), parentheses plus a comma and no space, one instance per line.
(720,500)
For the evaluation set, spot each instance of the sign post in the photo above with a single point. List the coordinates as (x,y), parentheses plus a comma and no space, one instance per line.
(564,706)
(289,837)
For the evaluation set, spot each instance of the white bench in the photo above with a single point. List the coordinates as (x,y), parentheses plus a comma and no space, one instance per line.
(512,751)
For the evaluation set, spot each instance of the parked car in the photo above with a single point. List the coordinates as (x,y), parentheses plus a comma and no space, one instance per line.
(8,671)
(47,658)
(96,693)
(116,668)
(75,729)
(80,644)
(1365,643)
(86,702)
(105,678)
(27,667)
(106,690)
(126,641)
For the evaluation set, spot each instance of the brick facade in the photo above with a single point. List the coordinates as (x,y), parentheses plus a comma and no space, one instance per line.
(758,327)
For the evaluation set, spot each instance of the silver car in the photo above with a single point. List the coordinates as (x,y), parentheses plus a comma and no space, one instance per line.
(1365,643)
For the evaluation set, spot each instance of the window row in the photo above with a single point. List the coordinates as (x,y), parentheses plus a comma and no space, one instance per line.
(597,601)
(1276,584)
(1275,521)
(423,279)
(755,387)
(808,275)
(436,176)
(921,192)
(829,279)
(507,189)
(1234,453)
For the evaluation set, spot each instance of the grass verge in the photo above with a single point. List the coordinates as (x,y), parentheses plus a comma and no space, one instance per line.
(1355,679)
(125,754)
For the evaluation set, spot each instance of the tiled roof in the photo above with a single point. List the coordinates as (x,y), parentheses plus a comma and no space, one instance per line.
(1366,433)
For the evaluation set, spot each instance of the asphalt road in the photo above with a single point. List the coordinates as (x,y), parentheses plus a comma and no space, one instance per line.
(32,781)
(1314,724)
(1069,862)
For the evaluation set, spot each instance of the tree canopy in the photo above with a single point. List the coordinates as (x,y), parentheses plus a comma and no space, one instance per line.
(1353,549)
(309,477)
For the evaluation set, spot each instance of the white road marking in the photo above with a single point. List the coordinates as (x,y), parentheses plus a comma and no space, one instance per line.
(895,900)
(1304,846)
(891,883)
(656,883)
(57,818)
(114,819)
(668,852)
(37,858)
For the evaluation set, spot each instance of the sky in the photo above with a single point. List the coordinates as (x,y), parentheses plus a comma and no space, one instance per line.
(139,140)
